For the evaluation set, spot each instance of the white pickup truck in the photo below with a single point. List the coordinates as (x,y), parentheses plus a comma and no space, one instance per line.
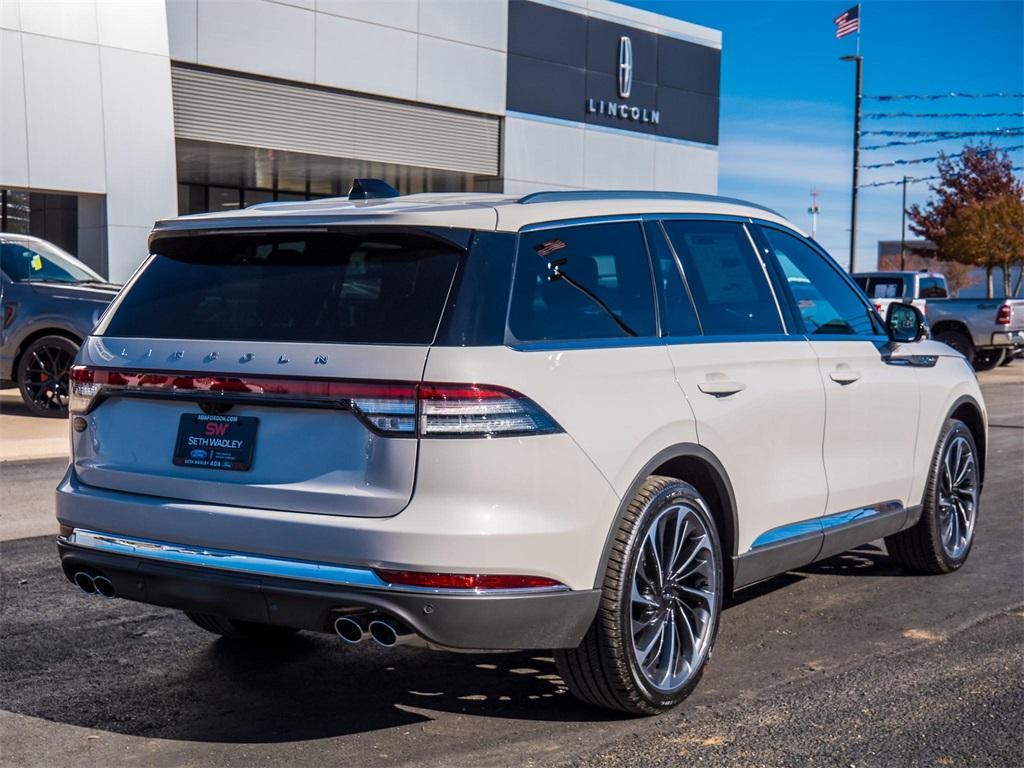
(988,332)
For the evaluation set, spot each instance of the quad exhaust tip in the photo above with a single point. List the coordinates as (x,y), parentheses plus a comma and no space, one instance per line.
(94,585)
(349,630)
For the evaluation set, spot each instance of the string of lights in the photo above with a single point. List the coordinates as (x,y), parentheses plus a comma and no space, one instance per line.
(893,163)
(938,138)
(917,179)
(887,115)
(953,95)
(951,134)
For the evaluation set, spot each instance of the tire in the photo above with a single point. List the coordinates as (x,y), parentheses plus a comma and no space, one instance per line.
(926,547)
(607,669)
(241,630)
(961,342)
(42,375)
(988,358)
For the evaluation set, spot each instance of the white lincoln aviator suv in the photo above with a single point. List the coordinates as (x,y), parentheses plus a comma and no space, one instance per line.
(572,420)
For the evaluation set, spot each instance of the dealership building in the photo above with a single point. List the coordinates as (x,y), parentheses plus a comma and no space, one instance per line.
(116,113)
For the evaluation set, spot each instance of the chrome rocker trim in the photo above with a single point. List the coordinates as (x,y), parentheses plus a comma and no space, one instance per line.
(263,565)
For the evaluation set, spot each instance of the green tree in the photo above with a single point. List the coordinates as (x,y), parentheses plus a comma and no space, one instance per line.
(990,234)
(980,174)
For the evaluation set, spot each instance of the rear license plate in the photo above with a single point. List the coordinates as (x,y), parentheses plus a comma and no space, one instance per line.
(215,442)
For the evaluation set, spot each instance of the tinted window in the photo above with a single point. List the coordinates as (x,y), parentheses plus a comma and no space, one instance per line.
(725,277)
(677,315)
(583,282)
(825,301)
(39,262)
(884,287)
(932,288)
(325,287)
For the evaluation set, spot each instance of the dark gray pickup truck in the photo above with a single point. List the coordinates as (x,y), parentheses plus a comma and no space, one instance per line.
(50,302)
(988,332)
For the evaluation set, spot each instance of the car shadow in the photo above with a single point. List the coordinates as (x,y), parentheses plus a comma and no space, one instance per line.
(127,668)
(866,560)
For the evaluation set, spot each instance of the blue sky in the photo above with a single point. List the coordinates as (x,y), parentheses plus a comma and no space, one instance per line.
(787,99)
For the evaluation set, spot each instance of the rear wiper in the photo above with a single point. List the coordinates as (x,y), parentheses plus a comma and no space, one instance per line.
(557,274)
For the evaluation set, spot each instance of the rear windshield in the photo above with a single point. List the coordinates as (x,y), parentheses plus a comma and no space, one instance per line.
(320,287)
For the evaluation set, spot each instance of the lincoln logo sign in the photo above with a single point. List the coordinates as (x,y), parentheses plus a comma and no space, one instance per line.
(619,109)
(625,66)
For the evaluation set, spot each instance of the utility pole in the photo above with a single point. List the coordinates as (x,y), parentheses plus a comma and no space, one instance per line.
(903,225)
(858,93)
(814,210)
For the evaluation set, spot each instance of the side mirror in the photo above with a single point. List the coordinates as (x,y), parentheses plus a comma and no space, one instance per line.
(905,323)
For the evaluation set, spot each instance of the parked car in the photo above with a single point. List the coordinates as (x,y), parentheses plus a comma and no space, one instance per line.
(988,332)
(50,301)
(572,420)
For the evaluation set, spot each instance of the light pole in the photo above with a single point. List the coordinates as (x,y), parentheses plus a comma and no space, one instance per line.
(903,225)
(859,61)
(814,210)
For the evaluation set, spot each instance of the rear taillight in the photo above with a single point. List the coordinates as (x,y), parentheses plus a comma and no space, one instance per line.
(463,410)
(10,309)
(468,581)
(390,408)
(1005,315)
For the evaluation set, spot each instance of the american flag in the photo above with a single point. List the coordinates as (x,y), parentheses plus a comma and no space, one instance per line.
(848,22)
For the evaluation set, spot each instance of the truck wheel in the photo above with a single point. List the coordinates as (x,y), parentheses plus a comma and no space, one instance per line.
(987,359)
(660,603)
(241,630)
(961,342)
(941,540)
(43,373)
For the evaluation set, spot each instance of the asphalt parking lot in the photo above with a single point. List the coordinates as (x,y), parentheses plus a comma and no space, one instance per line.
(849,662)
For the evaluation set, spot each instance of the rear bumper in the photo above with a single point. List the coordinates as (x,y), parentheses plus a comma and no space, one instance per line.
(268,591)
(1008,338)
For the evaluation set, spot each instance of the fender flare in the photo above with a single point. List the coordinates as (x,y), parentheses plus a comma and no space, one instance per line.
(677,451)
(983,416)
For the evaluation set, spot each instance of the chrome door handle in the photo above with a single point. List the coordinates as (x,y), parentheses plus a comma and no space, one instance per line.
(844,374)
(718,385)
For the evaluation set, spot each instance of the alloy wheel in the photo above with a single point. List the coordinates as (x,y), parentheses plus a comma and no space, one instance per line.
(46,378)
(673,599)
(957,497)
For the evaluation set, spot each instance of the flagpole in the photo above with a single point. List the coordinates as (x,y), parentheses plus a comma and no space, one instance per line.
(857,96)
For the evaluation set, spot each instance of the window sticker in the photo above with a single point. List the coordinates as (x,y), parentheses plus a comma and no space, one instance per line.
(549,246)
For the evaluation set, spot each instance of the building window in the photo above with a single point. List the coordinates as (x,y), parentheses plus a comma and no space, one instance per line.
(51,216)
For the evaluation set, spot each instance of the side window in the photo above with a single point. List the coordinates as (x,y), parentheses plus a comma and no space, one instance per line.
(932,288)
(726,278)
(583,282)
(677,315)
(885,288)
(826,302)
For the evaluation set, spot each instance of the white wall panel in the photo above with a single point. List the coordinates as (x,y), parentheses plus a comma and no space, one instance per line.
(365,57)
(138,25)
(403,14)
(617,161)
(182,34)
(139,128)
(682,168)
(13,134)
(10,14)
(463,76)
(126,247)
(477,22)
(544,153)
(66,19)
(257,36)
(63,114)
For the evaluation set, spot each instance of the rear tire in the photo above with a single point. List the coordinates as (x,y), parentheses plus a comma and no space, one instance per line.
(933,545)
(961,342)
(987,359)
(241,630)
(43,375)
(664,575)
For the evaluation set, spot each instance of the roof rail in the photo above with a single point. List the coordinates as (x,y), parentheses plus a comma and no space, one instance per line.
(568,196)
